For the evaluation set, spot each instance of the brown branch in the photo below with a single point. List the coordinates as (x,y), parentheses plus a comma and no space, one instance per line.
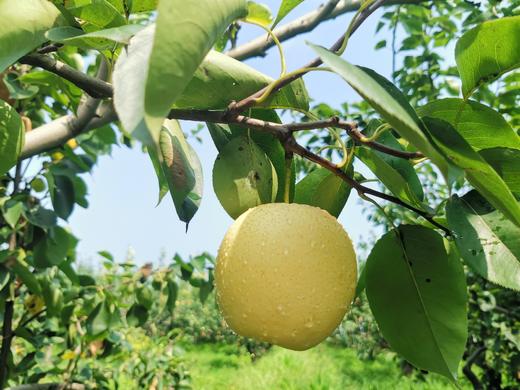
(292,145)
(93,86)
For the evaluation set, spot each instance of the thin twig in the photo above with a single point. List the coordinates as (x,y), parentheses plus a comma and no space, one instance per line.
(251,100)
(293,146)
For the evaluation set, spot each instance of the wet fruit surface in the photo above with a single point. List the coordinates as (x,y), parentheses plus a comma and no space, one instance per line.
(285,274)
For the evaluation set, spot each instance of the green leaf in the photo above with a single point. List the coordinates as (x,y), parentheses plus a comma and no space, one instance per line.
(480,125)
(487,51)
(172,290)
(129,78)
(220,134)
(100,40)
(224,79)
(52,296)
(402,166)
(52,249)
(12,212)
(243,177)
(182,170)
(322,188)
(479,173)
(100,319)
(506,162)
(24,27)
(143,5)
(488,243)
(5,275)
(61,189)
(86,280)
(416,289)
(144,296)
(137,315)
(11,136)
(285,7)
(272,148)
(172,62)
(41,217)
(107,255)
(161,177)
(386,99)
(361,283)
(21,269)
(16,90)
(390,177)
(258,13)
(100,13)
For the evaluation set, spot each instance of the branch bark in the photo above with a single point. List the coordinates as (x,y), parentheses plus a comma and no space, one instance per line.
(95,87)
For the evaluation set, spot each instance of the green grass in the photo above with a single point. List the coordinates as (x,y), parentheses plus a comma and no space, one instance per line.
(324,367)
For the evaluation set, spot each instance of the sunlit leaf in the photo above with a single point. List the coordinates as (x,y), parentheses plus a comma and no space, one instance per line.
(487,51)
(24,26)
(11,136)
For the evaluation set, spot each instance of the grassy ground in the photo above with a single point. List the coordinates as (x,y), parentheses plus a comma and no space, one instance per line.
(323,367)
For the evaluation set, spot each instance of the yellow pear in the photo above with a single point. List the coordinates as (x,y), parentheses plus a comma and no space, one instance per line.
(285,274)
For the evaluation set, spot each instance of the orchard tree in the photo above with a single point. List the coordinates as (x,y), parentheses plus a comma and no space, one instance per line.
(75,71)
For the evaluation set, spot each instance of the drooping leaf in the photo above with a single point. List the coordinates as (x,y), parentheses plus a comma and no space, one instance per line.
(285,7)
(487,241)
(130,73)
(100,319)
(52,295)
(220,134)
(402,166)
(182,169)
(258,13)
(487,51)
(172,291)
(323,189)
(41,217)
(480,125)
(100,13)
(416,289)
(99,40)
(390,177)
(243,176)
(161,177)
(272,147)
(172,62)
(224,79)
(23,27)
(478,172)
(506,162)
(16,90)
(52,249)
(106,255)
(385,98)
(61,189)
(137,315)
(12,212)
(21,269)
(11,136)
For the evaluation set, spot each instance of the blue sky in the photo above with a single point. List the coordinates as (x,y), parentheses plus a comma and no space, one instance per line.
(123,187)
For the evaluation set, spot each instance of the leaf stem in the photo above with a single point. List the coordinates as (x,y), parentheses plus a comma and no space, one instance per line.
(276,42)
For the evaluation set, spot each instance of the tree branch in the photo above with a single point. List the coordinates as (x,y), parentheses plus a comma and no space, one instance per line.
(308,22)
(95,87)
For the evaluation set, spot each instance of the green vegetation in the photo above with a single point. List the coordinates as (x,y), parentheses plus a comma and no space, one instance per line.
(324,367)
